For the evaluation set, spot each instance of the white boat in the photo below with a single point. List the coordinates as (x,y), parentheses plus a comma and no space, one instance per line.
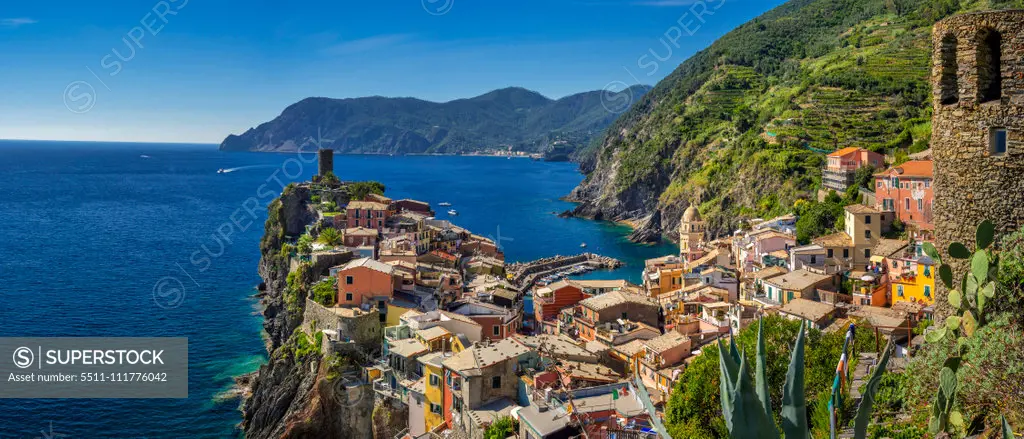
(144,156)
(444,204)
(583,245)
(221,171)
(453,212)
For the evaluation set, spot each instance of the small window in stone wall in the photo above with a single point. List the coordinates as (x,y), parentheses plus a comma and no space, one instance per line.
(989,59)
(950,83)
(997,141)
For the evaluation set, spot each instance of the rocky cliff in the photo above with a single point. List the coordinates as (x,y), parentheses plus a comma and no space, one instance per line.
(297,394)
(742,128)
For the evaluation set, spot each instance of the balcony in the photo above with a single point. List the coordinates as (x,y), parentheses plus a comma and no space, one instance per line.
(382,388)
(836,180)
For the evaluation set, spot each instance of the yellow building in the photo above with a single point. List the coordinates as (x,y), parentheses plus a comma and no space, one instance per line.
(916,283)
(395,312)
(433,378)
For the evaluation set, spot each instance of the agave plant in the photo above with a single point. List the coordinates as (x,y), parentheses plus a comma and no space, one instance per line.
(747,409)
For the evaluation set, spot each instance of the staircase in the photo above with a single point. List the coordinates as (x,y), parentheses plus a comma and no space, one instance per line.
(866,362)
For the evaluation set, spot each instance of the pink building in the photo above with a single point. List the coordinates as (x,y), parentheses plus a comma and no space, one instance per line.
(365,281)
(843,164)
(368,214)
(905,192)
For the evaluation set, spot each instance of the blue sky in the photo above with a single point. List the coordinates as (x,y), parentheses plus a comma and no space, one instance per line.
(197,70)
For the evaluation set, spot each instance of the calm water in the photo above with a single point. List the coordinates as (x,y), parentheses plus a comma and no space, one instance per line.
(87,230)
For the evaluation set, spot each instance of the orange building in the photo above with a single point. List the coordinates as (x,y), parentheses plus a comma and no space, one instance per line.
(549,300)
(365,281)
(843,164)
(906,192)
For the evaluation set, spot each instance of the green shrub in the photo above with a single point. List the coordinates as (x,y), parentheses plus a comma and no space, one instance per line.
(502,428)
(360,189)
(326,292)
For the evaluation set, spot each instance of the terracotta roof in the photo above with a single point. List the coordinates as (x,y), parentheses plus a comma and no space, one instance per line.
(913,168)
(839,239)
(444,255)
(845,151)
(807,309)
(859,209)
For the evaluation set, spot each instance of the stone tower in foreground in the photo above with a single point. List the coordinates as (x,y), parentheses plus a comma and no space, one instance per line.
(978,124)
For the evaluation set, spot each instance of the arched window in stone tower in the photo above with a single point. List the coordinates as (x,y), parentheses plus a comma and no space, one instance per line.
(989,56)
(950,83)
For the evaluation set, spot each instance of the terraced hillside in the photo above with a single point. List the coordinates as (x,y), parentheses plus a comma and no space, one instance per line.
(742,127)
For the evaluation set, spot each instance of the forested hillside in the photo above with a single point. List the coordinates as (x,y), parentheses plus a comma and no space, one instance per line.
(742,127)
(515,118)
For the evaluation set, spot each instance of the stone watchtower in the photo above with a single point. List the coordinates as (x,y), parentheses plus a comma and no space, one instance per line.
(325,161)
(691,235)
(978,124)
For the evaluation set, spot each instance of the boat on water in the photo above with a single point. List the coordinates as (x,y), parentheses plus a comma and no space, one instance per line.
(583,245)
(144,156)
(445,204)
(453,212)
(221,171)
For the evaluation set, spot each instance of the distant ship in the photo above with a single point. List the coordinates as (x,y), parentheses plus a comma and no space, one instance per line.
(144,156)
(444,204)
(583,245)
(221,171)
(453,212)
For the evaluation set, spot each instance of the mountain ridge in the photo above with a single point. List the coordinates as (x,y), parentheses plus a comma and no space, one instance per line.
(511,117)
(742,127)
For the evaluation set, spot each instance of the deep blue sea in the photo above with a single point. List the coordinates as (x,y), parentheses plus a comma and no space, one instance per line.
(88,231)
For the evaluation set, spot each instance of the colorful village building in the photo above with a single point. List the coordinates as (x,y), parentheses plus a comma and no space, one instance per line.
(842,166)
(914,282)
(906,192)
(594,316)
(365,281)
(368,214)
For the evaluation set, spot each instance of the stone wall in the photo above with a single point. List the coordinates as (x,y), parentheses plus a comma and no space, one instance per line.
(971,182)
(363,328)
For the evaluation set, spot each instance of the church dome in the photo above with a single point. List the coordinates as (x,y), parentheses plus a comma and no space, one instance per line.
(691,214)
